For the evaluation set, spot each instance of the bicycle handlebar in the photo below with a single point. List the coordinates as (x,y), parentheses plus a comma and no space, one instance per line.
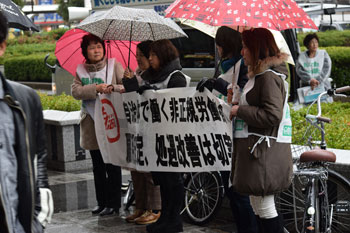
(342,89)
(324,119)
(319,118)
(330,92)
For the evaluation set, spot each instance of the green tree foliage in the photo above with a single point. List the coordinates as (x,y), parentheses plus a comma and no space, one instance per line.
(19,3)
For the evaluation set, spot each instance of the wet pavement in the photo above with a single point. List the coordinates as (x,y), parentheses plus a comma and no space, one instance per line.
(74,196)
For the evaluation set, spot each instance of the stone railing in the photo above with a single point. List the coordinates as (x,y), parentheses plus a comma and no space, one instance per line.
(62,135)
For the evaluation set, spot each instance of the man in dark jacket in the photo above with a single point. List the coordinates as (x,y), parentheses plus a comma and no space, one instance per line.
(23,174)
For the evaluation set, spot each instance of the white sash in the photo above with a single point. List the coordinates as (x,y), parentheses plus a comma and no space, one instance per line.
(285,127)
(95,77)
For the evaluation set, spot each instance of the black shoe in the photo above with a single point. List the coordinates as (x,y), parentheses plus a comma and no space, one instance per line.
(97,209)
(169,228)
(109,211)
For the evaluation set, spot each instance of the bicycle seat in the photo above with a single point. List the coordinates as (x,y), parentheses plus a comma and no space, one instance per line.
(318,155)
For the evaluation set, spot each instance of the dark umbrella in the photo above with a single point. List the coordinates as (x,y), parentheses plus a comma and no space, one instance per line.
(15,17)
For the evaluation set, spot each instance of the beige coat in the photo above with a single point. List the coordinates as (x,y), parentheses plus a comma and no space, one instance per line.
(88,139)
(268,170)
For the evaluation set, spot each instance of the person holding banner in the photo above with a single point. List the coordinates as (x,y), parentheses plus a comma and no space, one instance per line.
(165,73)
(262,159)
(147,195)
(98,75)
(230,82)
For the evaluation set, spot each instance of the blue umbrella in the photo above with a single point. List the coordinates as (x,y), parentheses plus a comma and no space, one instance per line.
(15,17)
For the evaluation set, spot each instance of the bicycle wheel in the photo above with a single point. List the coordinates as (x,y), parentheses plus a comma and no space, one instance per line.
(203,196)
(338,204)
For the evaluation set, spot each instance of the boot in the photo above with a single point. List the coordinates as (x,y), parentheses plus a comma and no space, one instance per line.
(272,225)
(176,194)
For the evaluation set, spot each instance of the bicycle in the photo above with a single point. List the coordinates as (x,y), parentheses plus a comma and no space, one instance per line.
(204,192)
(318,199)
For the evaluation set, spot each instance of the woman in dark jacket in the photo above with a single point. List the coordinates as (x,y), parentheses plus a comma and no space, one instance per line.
(262,158)
(147,195)
(165,73)
(233,75)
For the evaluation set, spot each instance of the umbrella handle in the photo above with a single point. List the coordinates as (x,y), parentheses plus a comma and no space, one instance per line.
(130,46)
(53,68)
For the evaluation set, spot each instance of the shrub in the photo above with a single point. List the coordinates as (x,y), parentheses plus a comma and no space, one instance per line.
(340,65)
(337,133)
(329,38)
(61,102)
(26,49)
(28,68)
(38,37)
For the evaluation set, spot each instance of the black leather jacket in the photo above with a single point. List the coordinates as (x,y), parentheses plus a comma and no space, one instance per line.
(30,142)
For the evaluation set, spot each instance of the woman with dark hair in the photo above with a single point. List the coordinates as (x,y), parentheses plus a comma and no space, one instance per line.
(147,195)
(262,158)
(165,72)
(233,76)
(314,65)
(98,75)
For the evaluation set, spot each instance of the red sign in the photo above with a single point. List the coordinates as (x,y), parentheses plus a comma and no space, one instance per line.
(111,121)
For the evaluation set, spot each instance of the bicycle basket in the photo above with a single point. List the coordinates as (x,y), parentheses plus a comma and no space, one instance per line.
(306,136)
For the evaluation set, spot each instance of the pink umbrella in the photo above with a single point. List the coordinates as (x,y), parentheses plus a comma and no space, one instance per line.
(69,55)
(272,14)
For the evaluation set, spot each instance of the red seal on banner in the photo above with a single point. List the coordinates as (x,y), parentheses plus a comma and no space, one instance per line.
(111,121)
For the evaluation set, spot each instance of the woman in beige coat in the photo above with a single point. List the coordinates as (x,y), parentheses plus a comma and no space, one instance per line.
(262,160)
(98,75)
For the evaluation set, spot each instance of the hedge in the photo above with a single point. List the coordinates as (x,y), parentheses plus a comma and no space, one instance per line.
(61,102)
(29,68)
(26,49)
(38,37)
(329,38)
(340,65)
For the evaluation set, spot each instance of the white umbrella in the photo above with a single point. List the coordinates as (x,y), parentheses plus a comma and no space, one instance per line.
(211,31)
(133,24)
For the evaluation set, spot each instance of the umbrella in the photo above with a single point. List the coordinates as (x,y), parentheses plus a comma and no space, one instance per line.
(211,31)
(272,14)
(133,24)
(15,17)
(69,55)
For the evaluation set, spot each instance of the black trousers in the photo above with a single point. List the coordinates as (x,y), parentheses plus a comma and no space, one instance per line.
(108,180)
(172,193)
(240,206)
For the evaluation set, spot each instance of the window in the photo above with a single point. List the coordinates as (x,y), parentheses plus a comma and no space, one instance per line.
(196,51)
(345,26)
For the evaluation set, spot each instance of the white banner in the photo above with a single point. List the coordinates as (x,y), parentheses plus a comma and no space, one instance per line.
(176,129)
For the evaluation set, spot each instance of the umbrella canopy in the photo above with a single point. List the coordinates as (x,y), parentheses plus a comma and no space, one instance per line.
(211,31)
(68,51)
(15,17)
(272,14)
(133,24)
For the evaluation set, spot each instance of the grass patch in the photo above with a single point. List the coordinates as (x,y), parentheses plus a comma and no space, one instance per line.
(337,132)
